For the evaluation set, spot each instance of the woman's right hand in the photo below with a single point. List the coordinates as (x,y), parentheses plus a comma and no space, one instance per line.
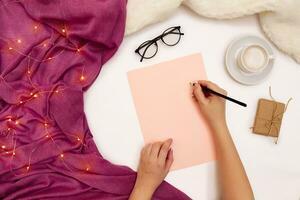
(212,106)
(233,186)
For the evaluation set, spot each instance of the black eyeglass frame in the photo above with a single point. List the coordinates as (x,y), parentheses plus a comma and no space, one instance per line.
(148,43)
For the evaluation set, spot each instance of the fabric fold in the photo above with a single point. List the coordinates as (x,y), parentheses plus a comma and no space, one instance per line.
(50,53)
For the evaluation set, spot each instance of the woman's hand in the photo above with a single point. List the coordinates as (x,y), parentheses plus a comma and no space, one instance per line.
(233,186)
(212,106)
(155,162)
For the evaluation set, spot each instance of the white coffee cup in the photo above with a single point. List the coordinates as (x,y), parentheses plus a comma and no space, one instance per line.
(253,58)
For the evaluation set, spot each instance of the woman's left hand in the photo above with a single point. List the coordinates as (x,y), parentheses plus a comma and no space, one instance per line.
(155,162)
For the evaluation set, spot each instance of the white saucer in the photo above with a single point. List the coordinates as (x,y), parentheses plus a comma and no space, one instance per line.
(231,60)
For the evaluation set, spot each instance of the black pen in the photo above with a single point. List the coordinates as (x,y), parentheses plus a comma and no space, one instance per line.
(207,90)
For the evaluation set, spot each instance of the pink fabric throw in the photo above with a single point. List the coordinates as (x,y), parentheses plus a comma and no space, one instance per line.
(52,51)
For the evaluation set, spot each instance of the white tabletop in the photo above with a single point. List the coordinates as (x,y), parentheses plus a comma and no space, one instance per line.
(273,170)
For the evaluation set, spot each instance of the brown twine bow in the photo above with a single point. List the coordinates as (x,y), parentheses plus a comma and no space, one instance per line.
(275,120)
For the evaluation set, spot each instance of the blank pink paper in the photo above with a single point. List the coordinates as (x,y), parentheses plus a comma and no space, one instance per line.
(166,109)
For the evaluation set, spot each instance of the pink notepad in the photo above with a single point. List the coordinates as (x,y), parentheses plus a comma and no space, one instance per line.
(163,99)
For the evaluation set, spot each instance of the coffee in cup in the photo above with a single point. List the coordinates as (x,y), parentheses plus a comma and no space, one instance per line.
(253,58)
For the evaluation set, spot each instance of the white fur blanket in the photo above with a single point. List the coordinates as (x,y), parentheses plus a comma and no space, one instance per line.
(278,18)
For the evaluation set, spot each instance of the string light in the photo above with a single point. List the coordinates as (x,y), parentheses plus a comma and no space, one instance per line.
(35,95)
(82,78)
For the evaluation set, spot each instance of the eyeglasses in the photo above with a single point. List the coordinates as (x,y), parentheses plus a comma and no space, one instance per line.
(170,37)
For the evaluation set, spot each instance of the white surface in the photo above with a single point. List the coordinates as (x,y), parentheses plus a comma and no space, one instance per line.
(274,170)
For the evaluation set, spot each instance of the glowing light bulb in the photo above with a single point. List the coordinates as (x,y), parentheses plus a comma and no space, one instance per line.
(87,169)
(56,91)
(78,50)
(78,139)
(35,95)
(9,119)
(44,45)
(3,146)
(61,155)
(8,129)
(20,102)
(82,78)
(63,30)
(28,72)
(35,27)
(10,48)
(17,122)
(27,168)
(50,58)
(14,153)
(19,41)
(47,136)
(45,124)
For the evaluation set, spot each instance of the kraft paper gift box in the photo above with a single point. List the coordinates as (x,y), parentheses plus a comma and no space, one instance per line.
(268,118)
